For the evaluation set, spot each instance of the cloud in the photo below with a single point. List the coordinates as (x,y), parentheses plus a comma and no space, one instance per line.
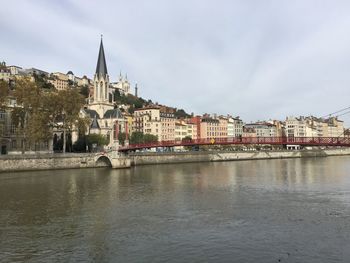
(257,59)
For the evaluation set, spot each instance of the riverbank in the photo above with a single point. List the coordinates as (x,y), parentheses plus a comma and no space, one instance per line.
(10,163)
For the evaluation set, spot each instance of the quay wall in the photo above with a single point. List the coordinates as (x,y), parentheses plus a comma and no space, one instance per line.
(69,161)
(47,162)
(187,157)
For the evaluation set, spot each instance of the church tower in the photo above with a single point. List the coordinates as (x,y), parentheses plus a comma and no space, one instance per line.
(101,99)
(101,79)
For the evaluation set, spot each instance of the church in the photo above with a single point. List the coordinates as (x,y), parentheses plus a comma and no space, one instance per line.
(106,118)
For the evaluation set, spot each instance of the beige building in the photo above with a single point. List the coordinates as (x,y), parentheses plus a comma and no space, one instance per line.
(335,127)
(180,130)
(191,130)
(59,80)
(249,132)
(263,129)
(213,127)
(314,127)
(156,120)
(147,121)
(185,129)
(5,73)
(167,119)
(295,127)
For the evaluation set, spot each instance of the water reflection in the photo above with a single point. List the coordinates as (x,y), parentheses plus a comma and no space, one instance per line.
(255,211)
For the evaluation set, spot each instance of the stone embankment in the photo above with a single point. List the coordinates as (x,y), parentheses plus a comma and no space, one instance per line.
(29,162)
(70,161)
(186,157)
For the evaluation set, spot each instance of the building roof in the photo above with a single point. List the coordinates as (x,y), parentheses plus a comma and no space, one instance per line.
(94,124)
(70,72)
(92,113)
(101,68)
(113,114)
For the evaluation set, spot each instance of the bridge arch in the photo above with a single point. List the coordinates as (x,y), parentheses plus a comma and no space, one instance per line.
(103,161)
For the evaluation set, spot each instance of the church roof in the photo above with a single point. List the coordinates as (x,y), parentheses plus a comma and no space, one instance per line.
(114,114)
(101,68)
(92,113)
(94,124)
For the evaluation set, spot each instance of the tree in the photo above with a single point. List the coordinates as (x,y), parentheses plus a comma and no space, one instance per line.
(150,138)
(85,91)
(136,137)
(181,114)
(96,139)
(30,115)
(67,108)
(4,92)
(40,111)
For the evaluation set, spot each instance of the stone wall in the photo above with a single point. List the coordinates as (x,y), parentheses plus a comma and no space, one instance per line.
(47,162)
(185,157)
(69,161)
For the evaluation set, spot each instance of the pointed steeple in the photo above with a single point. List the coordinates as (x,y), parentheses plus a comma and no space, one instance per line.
(101,68)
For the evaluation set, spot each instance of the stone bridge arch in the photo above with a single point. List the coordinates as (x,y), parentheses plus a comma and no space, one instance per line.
(103,161)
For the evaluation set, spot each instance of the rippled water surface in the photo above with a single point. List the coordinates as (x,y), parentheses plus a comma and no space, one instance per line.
(295,210)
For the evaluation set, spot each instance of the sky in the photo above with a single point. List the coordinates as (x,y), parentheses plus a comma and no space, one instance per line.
(257,59)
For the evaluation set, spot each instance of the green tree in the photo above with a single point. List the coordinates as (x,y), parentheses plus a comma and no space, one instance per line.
(96,139)
(150,138)
(4,92)
(180,113)
(85,91)
(31,114)
(136,137)
(39,111)
(67,109)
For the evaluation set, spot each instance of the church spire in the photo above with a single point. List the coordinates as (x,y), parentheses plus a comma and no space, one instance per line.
(101,68)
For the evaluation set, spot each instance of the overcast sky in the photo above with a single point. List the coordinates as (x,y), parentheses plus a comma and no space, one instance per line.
(257,59)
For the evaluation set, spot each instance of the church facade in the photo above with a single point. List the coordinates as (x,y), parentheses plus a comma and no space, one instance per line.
(106,118)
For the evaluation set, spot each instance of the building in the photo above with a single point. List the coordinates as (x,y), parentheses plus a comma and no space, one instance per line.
(185,129)
(180,130)
(212,127)
(314,127)
(106,119)
(148,121)
(295,127)
(234,127)
(167,119)
(263,129)
(59,80)
(191,130)
(5,73)
(197,122)
(249,132)
(122,85)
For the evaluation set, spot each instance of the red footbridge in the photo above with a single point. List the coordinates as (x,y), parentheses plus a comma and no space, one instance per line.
(300,141)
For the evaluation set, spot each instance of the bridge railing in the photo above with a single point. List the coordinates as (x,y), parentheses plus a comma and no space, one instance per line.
(312,141)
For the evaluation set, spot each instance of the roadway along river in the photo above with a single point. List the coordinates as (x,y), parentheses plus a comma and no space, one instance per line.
(295,210)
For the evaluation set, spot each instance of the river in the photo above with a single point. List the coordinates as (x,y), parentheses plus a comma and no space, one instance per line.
(290,210)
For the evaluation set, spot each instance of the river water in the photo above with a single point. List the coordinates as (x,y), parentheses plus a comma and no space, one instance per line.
(295,210)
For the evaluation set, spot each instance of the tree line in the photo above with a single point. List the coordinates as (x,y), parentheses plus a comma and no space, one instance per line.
(38,112)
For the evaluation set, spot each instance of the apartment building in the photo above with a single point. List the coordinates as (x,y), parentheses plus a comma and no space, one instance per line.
(263,129)
(234,127)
